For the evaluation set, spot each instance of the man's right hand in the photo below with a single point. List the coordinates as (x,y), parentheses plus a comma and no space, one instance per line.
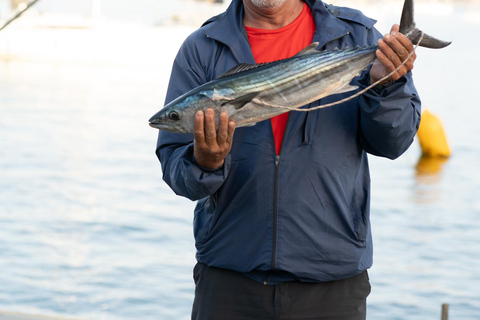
(211,147)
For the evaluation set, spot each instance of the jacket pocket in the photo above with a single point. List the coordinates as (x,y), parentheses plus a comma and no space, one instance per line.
(361,209)
(203,217)
(309,126)
(360,225)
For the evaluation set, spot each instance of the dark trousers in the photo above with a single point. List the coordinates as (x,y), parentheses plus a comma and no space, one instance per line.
(227,295)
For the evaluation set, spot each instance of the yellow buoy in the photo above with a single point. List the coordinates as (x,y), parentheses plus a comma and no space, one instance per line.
(432,136)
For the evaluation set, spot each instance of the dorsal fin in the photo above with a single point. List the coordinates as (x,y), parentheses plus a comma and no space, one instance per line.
(240,68)
(311,48)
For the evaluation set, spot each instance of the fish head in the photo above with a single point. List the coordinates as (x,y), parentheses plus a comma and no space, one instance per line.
(179,115)
(168,119)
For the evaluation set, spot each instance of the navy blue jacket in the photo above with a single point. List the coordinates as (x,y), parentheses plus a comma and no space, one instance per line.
(304,214)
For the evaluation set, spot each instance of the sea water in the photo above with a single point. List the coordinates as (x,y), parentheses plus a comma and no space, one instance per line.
(90,230)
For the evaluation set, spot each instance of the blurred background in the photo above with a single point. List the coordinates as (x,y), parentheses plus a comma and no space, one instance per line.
(90,230)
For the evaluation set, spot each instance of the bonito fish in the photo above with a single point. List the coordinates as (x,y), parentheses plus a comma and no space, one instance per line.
(252,93)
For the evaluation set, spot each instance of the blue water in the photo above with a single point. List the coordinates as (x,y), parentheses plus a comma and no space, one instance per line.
(89,230)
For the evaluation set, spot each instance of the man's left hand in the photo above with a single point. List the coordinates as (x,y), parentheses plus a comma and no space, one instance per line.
(393,49)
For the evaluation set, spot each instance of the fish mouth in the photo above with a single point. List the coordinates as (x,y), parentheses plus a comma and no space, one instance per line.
(156,122)
(166,127)
(159,126)
(154,125)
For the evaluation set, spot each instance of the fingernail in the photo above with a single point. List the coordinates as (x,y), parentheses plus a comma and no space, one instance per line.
(387,36)
(394,33)
(199,113)
(209,111)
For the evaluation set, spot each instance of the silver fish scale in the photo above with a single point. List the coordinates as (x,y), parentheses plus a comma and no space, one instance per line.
(257,94)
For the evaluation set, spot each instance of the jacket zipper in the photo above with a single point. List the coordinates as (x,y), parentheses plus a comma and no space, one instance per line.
(275,211)
(275,208)
(275,202)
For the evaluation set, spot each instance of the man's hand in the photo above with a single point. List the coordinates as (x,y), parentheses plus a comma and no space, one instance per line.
(393,49)
(211,147)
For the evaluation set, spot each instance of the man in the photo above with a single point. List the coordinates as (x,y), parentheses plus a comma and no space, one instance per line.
(282,225)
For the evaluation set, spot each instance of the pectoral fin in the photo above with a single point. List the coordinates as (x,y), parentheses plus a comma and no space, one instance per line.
(241,101)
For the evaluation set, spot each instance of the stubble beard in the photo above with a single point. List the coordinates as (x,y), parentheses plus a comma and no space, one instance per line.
(267,4)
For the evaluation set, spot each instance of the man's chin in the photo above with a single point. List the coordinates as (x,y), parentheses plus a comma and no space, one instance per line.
(267,4)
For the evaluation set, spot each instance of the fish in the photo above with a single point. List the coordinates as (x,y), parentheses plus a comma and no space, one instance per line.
(250,93)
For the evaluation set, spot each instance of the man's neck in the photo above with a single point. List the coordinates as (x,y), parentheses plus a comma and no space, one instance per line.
(271,18)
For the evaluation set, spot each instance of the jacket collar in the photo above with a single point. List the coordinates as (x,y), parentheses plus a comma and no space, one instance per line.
(328,27)
(229,29)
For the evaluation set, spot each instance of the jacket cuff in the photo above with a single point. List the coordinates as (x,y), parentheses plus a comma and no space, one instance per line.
(195,182)
(208,170)
(380,90)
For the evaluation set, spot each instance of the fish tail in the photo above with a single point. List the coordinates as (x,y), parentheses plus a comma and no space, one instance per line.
(409,29)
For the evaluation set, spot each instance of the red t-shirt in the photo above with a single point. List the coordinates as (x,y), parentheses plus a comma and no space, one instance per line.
(277,44)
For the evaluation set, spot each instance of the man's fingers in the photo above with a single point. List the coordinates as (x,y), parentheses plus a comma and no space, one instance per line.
(231,130)
(386,64)
(400,44)
(205,132)
(198,128)
(210,147)
(222,134)
(395,28)
(401,47)
(405,42)
(394,49)
(210,130)
(389,46)
(405,48)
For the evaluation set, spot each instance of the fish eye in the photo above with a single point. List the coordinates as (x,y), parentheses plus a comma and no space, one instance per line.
(173,115)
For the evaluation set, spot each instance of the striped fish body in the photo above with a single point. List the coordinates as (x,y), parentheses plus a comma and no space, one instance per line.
(253,93)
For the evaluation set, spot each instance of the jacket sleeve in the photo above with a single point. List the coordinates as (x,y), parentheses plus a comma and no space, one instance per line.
(389,116)
(174,150)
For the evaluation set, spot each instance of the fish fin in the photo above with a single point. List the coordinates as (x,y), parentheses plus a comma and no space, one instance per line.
(311,48)
(346,88)
(240,68)
(241,101)
(433,43)
(409,29)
